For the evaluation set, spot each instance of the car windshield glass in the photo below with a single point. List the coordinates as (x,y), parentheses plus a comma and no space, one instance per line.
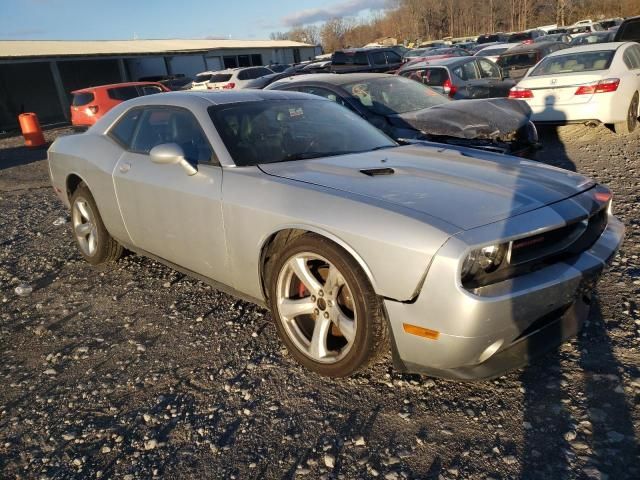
(273,131)
(518,60)
(220,77)
(203,77)
(574,63)
(388,96)
(491,52)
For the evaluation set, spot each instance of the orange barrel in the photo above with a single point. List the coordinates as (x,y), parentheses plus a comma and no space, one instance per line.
(31,130)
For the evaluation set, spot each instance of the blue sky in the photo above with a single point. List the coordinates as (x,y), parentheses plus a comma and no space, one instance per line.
(126,19)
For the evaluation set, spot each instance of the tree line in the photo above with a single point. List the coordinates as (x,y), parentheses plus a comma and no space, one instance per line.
(420,20)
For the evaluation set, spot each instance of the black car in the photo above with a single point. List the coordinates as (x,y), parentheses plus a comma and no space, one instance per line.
(493,38)
(554,37)
(526,37)
(172,82)
(593,37)
(461,77)
(365,60)
(407,110)
(517,60)
(629,30)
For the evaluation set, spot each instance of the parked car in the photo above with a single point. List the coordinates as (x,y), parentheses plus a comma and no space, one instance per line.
(493,38)
(593,27)
(405,109)
(365,60)
(434,44)
(555,37)
(415,53)
(201,80)
(465,266)
(461,77)
(629,30)
(493,51)
(278,67)
(435,54)
(554,31)
(468,46)
(590,83)
(235,78)
(526,37)
(588,38)
(516,61)
(172,82)
(610,23)
(90,104)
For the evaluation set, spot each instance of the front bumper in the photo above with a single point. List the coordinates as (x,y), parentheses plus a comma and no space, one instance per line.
(502,326)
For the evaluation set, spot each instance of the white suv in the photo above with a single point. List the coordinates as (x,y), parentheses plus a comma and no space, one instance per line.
(233,78)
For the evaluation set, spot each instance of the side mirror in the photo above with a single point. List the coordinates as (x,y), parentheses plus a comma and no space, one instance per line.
(171,154)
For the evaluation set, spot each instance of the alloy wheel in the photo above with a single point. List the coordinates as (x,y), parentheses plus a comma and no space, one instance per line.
(316,307)
(84,226)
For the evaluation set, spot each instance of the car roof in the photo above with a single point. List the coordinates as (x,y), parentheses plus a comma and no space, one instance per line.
(208,98)
(115,85)
(528,47)
(496,45)
(592,47)
(441,62)
(335,78)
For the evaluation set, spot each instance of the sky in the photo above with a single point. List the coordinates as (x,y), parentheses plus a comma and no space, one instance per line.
(129,19)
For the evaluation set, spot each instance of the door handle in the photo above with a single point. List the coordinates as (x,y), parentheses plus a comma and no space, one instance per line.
(124,168)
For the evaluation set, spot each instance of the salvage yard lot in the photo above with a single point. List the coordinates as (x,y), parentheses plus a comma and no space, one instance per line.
(133,370)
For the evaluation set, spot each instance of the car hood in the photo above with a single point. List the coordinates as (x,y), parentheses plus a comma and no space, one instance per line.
(496,118)
(462,190)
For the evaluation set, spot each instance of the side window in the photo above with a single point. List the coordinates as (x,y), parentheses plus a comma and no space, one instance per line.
(393,57)
(244,75)
(123,130)
(360,58)
(150,90)
(466,71)
(378,58)
(634,52)
(488,69)
(160,125)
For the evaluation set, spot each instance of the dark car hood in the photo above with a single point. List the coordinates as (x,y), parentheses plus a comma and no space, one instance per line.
(495,118)
(461,190)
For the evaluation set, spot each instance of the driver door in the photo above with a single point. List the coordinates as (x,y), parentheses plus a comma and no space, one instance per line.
(166,212)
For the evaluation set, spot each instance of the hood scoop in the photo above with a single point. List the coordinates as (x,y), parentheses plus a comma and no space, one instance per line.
(375,172)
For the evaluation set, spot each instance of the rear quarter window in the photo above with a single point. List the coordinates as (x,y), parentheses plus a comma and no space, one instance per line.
(629,31)
(80,99)
(123,93)
(123,129)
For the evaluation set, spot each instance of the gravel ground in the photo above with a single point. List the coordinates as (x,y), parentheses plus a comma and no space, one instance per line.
(135,371)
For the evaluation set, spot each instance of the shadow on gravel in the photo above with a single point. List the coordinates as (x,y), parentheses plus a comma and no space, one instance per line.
(556,436)
(15,156)
(553,150)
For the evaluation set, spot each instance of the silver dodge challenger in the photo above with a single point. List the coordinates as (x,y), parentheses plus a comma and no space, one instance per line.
(464,264)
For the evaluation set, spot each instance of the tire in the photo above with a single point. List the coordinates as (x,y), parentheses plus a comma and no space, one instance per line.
(93,240)
(337,307)
(630,124)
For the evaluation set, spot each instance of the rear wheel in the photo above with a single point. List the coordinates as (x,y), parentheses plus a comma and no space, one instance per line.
(324,307)
(630,124)
(94,242)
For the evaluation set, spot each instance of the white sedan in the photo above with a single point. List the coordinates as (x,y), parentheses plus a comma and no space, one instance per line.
(586,84)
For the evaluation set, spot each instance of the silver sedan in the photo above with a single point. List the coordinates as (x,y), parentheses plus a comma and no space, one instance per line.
(464,264)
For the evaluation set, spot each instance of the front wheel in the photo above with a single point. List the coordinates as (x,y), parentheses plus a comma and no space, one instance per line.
(93,240)
(325,310)
(630,124)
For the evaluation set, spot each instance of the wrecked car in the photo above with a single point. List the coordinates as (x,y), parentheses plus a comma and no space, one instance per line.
(408,110)
(463,264)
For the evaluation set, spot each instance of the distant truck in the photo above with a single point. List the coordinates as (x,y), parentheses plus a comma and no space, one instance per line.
(377,60)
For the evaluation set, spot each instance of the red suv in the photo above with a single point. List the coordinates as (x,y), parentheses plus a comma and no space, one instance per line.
(89,104)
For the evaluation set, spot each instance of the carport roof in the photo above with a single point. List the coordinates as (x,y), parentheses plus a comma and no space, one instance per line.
(63,48)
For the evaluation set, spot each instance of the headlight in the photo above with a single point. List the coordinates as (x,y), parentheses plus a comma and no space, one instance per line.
(485,259)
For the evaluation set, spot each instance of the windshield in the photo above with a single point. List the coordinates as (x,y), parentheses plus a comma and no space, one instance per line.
(271,131)
(518,60)
(574,63)
(202,77)
(388,96)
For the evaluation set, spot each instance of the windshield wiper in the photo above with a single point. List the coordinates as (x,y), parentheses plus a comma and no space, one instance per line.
(382,147)
(309,155)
